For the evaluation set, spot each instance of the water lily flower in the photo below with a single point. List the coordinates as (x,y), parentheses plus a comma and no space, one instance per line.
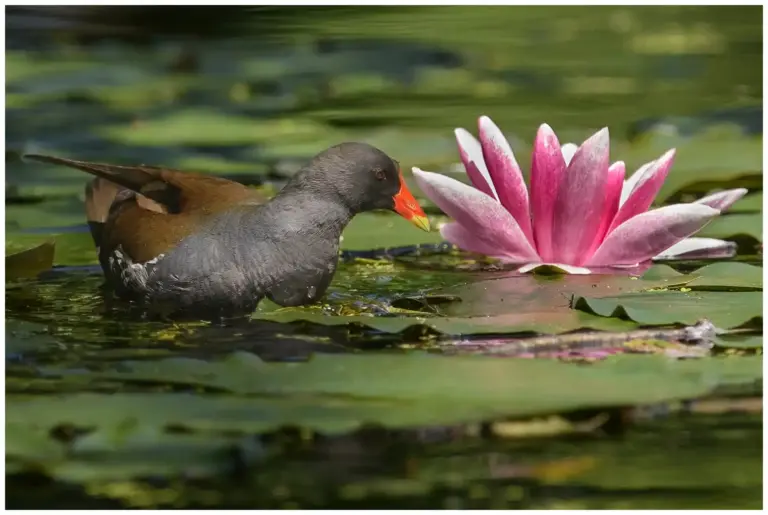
(579,215)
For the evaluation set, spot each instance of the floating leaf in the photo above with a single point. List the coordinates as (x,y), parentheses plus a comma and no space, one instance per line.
(728,275)
(72,248)
(556,322)
(751,203)
(394,390)
(740,341)
(509,304)
(710,158)
(149,451)
(528,294)
(30,262)
(728,226)
(184,128)
(29,446)
(725,310)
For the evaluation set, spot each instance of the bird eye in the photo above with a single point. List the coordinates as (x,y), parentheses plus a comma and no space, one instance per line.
(379,173)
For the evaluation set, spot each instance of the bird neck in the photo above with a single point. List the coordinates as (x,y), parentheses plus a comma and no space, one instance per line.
(324,213)
(330,189)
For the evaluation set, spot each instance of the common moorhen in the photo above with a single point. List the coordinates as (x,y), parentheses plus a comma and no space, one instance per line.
(183,241)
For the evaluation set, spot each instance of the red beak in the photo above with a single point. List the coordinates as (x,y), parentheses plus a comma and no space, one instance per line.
(407,207)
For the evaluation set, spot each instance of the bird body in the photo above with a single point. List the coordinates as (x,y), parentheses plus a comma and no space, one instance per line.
(188,242)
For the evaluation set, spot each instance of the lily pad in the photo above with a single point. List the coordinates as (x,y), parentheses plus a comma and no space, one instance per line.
(528,294)
(711,158)
(211,164)
(115,453)
(548,323)
(72,248)
(53,212)
(26,65)
(751,203)
(394,390)
(27,445)
(740,342)
(728,226)
(725,309)
(728,275)
(185,128)
(30,262)
(511,304)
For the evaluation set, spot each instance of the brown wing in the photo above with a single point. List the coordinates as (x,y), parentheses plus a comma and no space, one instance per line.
(149,209)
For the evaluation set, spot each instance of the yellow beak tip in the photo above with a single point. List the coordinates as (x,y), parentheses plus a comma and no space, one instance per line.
(422,222)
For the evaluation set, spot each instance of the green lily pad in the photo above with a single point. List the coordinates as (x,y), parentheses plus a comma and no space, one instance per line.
(740,342)
(395,390)
(29,262)
(711,158)
(205,127)
(516,304)
(725,309)
(528,294)
(557,322)
(142,451)
(21,65)
(72,248)
(751,203)
(728,226)
(728,275)
(28,445)
(53,212)
(133,97)
(213,165)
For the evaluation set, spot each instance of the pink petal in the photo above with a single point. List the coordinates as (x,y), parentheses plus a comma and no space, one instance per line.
(478,213)
(547,172)
(612,194)
(699,248)
(467,240)
(505,173)
(472,156)
(647,186)
(580,200)
(722,200)
(646,235)
(629,184)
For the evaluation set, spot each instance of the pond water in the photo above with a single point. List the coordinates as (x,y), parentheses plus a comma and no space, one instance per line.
(383,395)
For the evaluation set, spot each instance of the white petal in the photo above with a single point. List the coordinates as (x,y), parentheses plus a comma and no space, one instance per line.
(474,151)
(568,150)
(630,183)
(723,199)
(713,246)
